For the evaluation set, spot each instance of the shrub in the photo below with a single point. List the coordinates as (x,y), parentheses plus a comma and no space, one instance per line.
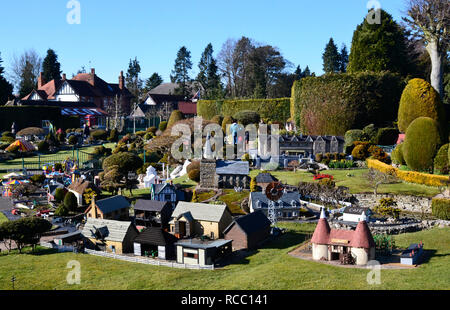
(377,153)
(386,207)
(152,130)
(99,135)
(218,119)
(440,208)
(360,152)
(409,176)
(73,140)
(421,144)
(420,99)
(226,121)
(113,135)
(441,162)
(62,210)
(124,161)
(253,185)
(194,175)
(397,155)
(163,126)
(328,182)
(319,157)
(60,193)
(70,201)
(194,165)
(143,169)
(247,117)
(386,136)
(175,116)
(332,104)
(43,146)
(37,179)
(370,132)
(140,133)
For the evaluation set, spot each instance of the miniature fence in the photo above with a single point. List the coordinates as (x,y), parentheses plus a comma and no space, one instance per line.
(148,261)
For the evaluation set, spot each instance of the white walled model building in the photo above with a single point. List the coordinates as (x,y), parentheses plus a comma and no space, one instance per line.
(330,244)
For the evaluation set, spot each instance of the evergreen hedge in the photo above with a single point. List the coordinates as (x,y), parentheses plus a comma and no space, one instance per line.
(335,103)
(441,162)
(273,109)
(421,144)
(420,99)
(440,207)
(397,155)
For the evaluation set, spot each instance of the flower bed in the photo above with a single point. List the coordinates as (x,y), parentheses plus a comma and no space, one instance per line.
(322,176)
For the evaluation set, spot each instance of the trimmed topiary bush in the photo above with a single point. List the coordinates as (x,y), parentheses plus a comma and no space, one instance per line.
(247,117)
(440,207)
(218,119)
(37,178)
(175,116)
(421,144)
(60,193)
(70,201)
(441,162)
(73,140)
(194,175)
(113,135)
(370,132)
(99,135)
(194,165)
(352,136)
(43,146)
(397,155)
(386,136)
(420,99)
(361,150)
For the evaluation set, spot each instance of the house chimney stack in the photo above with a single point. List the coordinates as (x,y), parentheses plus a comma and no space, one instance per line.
(91,79)
(64,77)
(40,80)
(121,80)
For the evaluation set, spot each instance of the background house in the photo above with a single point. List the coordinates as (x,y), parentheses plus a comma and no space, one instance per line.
(155,239)
(109,236)
(248,231)
(166,192)
(112,208)
(199,219)
(288,207)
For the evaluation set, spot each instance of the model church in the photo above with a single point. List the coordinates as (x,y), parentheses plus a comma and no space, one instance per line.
(333,244)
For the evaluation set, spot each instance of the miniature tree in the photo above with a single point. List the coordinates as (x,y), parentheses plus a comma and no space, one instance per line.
(376,178)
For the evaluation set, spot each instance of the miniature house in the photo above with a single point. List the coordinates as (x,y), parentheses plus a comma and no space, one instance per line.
(332,244)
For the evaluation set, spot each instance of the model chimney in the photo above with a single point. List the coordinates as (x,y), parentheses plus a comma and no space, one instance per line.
(121,80)
(91,79)
(40,80)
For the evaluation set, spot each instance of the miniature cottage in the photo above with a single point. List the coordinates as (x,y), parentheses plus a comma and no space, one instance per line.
(202,252)
(332,244)
(264,179)
(288,207)
(109,236)
(199,219)
(354,214)
(248,231)
(112,208)
(79,187)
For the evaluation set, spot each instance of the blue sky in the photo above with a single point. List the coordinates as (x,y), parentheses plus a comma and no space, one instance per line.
(111,32)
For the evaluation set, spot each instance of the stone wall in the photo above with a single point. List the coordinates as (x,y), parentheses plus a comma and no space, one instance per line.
(404,203)
(208,177)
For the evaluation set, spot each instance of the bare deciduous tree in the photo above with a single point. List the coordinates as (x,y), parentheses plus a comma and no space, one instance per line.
(429,20)
(376,178)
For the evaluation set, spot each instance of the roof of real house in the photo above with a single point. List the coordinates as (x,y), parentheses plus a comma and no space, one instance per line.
(155,236)
(250,223)
(200,211)
(109,230)
(112,204)
(232,167)
(150,205)
(286,199)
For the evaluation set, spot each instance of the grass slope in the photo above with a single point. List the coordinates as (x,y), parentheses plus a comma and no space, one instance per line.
(269,268)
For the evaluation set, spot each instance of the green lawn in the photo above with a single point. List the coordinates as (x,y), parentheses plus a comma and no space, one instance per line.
(269,268)
(357,183)
(17,163)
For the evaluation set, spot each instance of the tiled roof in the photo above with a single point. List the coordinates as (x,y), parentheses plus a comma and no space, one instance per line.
(200,211)
(322,232)
(232,167)
(250,223)
(265,178)
(155,236)
(149,205)
(112,204)
(362,237)
(110,230)
(260,200)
